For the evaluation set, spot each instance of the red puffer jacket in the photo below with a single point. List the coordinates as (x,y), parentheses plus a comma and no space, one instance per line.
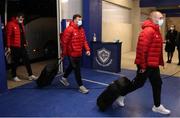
(149,46)
(13,33)
(73,41)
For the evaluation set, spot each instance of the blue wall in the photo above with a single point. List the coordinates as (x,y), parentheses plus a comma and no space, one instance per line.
(163,3)
(3,79)
(92,22)
(159,3)
(171,12)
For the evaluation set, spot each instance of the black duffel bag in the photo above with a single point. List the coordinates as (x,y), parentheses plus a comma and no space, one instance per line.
(112,92)
(47,75)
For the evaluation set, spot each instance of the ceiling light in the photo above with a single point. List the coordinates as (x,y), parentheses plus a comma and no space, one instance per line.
(65,1)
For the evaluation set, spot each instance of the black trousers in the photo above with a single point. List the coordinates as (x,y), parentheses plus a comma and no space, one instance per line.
(74,64)
(156,82)
(170,56)
(17,54)
(178,49)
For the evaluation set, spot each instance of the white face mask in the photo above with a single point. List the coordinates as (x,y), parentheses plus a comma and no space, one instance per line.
(20,21)
(79,23)
(2,27)
(160,22)
(172,28)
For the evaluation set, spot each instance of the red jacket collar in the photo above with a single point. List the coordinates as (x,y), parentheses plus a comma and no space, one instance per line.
(13,19)
(73,25)
(150,23)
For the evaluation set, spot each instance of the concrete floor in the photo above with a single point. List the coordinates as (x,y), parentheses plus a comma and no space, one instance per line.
(127,63)
(22,74)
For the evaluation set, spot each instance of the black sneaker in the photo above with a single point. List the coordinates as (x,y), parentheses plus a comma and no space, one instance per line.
(169,61)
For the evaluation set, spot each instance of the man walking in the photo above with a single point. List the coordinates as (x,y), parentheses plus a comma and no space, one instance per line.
(149,55)
(73,41)
(16,44)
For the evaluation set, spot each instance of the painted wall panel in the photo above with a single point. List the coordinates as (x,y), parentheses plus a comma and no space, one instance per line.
(71,7)
(124,3)
(116,25)
(115,13)
(174,21)
(121,31)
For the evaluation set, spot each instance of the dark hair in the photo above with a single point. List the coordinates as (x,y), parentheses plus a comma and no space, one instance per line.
(19,14)
(76,16)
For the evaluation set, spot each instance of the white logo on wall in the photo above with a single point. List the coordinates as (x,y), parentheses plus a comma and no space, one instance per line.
(104,57)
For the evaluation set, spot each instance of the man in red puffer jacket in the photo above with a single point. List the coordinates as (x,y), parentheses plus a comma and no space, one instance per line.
(16,44)
(149,56)
(73,41)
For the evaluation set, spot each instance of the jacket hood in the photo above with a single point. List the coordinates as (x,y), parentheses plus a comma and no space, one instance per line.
(149,23)
(13,19)
(73,24)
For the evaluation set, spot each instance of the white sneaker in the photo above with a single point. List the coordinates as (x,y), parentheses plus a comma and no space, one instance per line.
(83,89)
(16,79)
(161,109)
(120,101)
(32,77)
(64,81)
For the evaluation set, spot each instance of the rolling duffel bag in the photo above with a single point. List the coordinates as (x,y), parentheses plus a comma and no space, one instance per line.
(47,74)
(112,92)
